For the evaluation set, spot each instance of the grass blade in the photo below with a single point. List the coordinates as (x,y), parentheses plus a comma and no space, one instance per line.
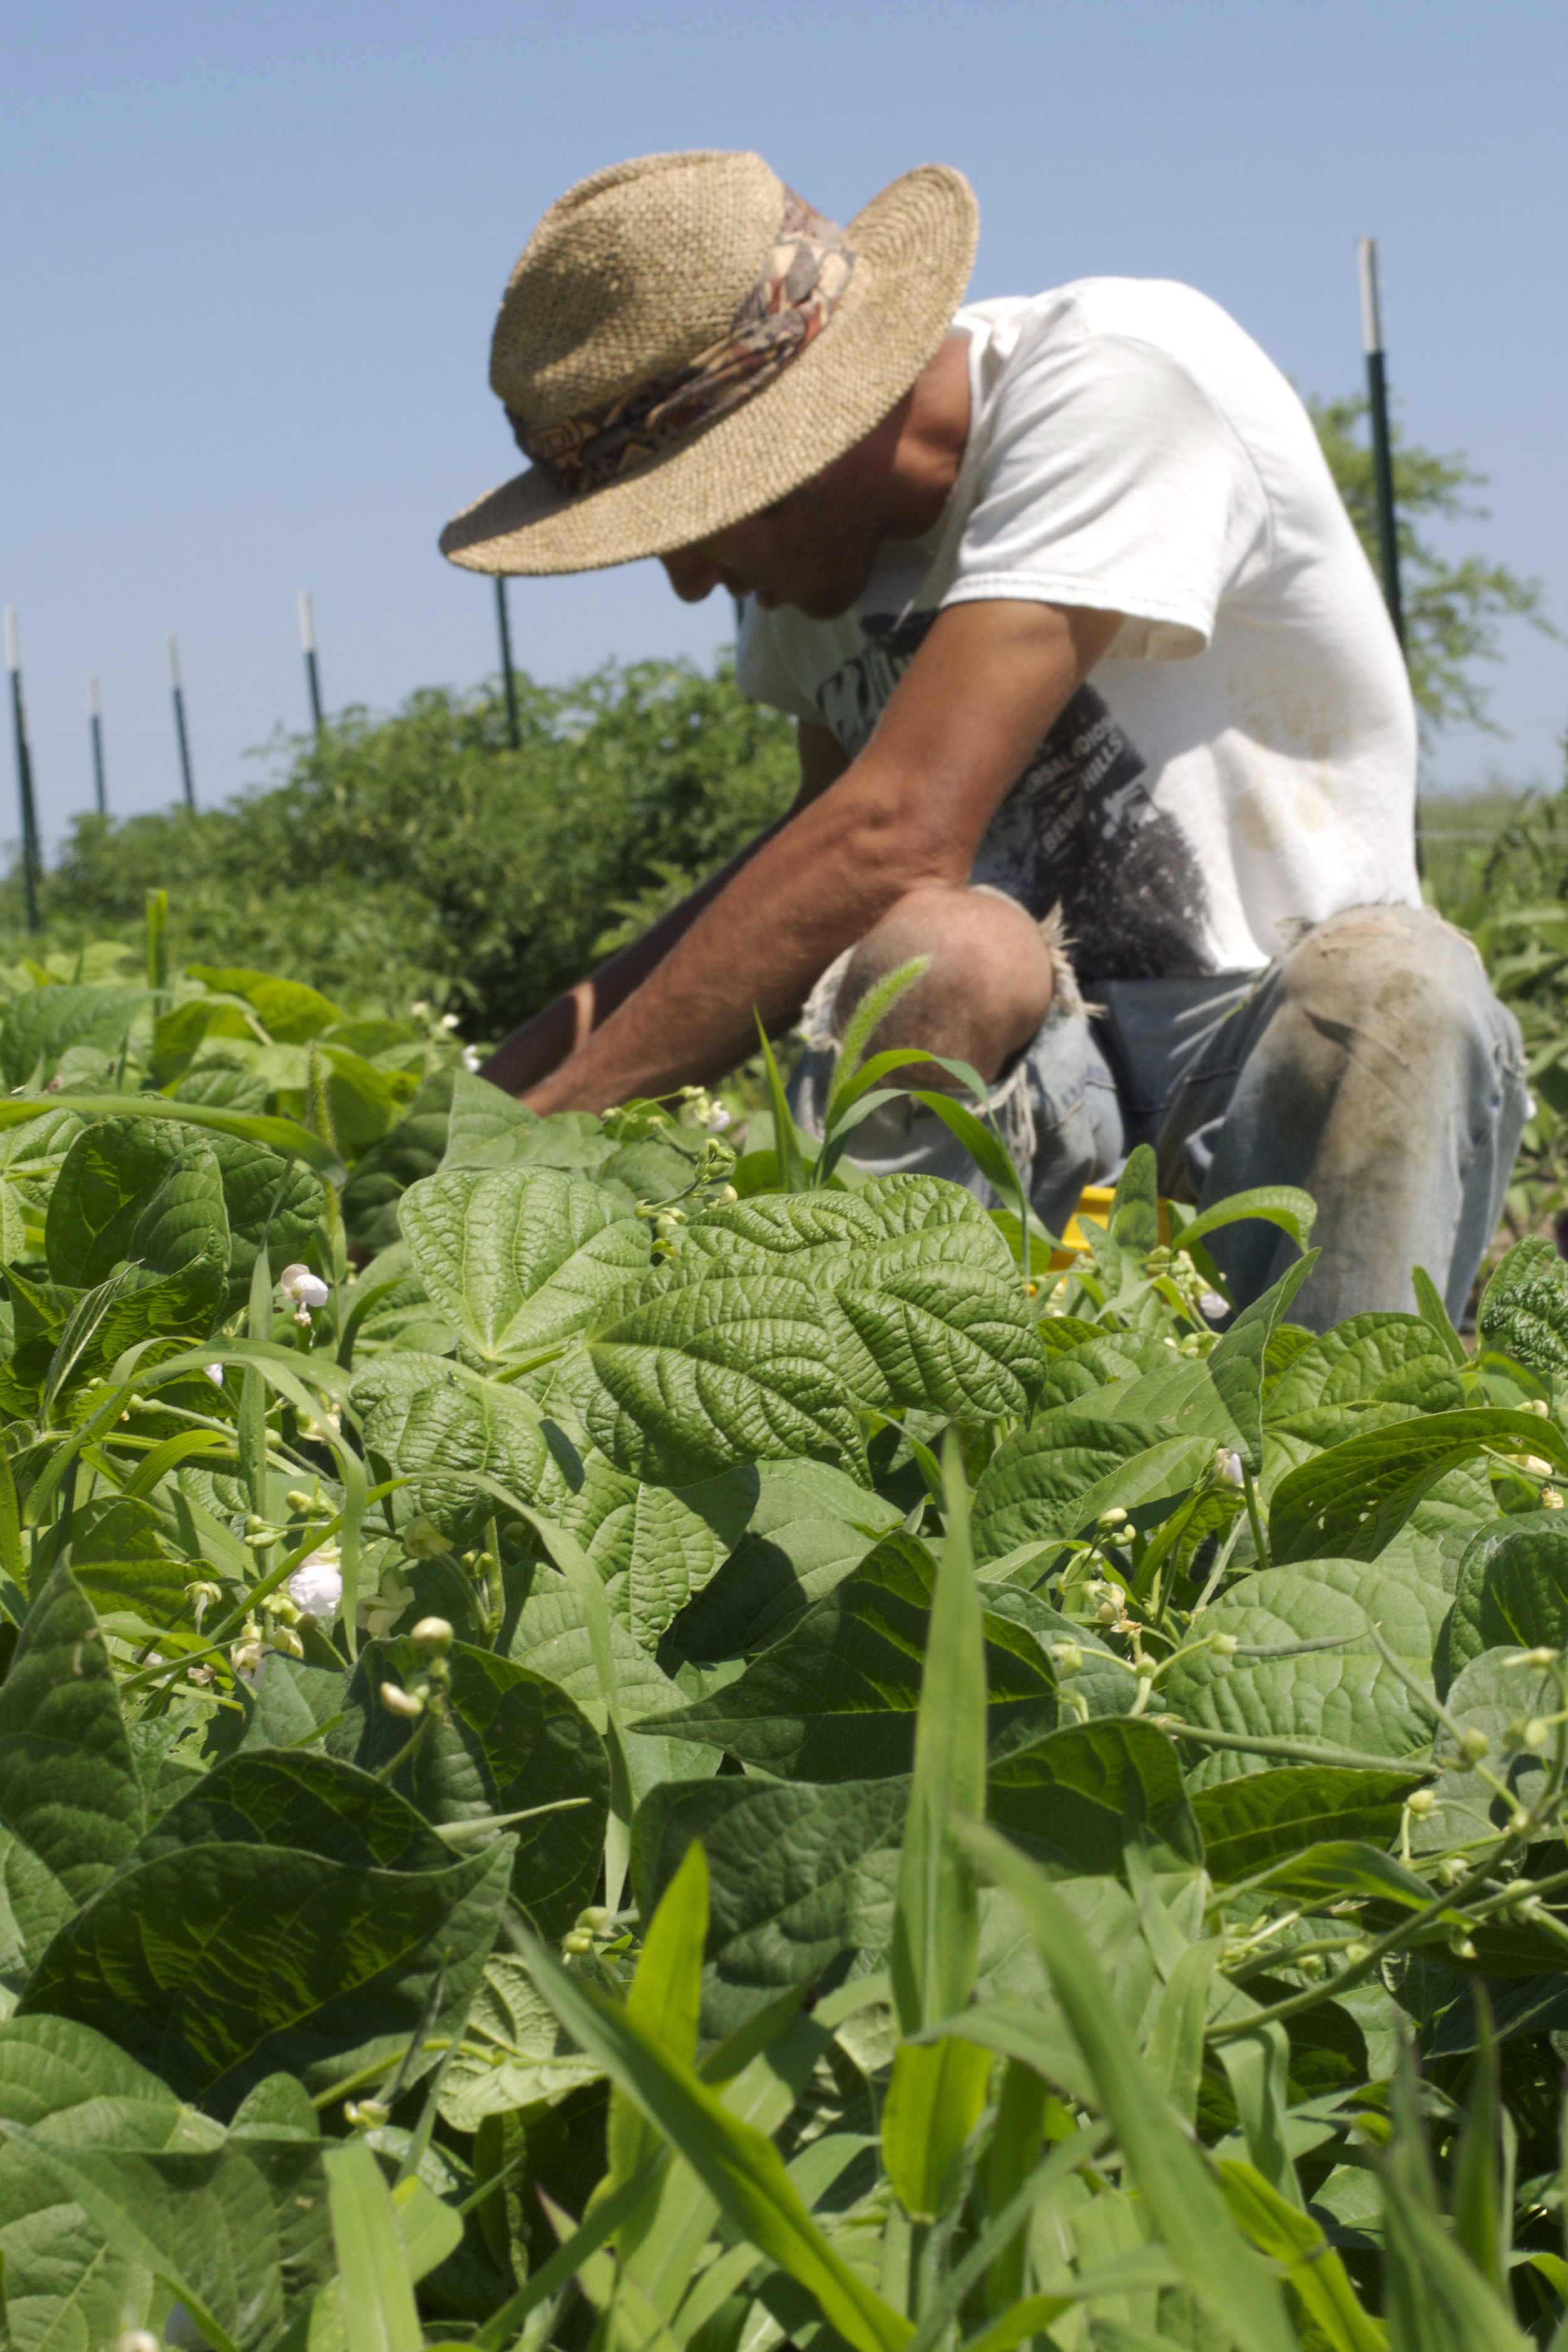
(741,2170)
(1175,2051)
(376,2295)
(936,1925)
(1312,2267)
(1184,2200)
(786,1141)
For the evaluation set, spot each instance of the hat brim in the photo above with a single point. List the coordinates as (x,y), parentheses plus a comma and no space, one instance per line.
(914,249)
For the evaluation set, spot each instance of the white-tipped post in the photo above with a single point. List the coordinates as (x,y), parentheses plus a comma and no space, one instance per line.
(94,707)
(1381,435)
(13,642)
(1370,296)
(307,622)
(175,661)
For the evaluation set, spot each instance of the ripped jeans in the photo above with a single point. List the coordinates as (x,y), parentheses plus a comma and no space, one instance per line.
(1370,1063)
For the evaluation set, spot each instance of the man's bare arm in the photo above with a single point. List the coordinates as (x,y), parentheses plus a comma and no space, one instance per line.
(544,1043)
(957,733)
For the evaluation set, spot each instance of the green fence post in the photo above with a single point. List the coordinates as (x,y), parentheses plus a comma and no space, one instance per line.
(30,859)
(507,680)
(1382,443)
(95,726)
(307,645)
(180,735)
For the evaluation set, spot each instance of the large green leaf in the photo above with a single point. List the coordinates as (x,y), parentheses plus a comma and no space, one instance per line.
(491,1129)
(1055,1478)
(64,2284)
(798,1875)
(1512,1589)
(1251,1824)
(1218,1397)
(1372,1358)
(238,2233)
(70,1801)
(1348,1503)
(1523,1311)
(513,2053)
(1347,1697)
(656,1547)
(834,1698)
(1073,1798)
(808,1525)
(112,1170)
(382,1175)
(122,1561)
(289,1011)
(511,1741)
(264,1194)
(298,1798)
(550,1635)
(440,1422)
(41,1022)
(711,1373)
(1492,1694)
(218,1964)
(917,1287)
(520,1258)
(135,1195)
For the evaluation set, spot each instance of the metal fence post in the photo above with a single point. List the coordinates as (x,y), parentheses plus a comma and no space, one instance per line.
(1381,440)
(95,725)
(31,863)
(308,642)
(179,694)
(507,680)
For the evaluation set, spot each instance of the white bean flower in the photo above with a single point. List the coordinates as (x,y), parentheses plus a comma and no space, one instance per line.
(215,1374)
(381,1612)
(302,1287)
(1228,1468)
(716,1119)
(316,1587)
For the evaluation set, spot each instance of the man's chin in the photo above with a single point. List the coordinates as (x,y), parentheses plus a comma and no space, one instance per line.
(826,604)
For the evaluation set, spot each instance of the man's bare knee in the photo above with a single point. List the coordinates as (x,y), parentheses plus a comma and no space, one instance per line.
(987,990)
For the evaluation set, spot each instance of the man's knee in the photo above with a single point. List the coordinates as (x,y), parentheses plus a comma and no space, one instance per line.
(1396,989)
(988,985)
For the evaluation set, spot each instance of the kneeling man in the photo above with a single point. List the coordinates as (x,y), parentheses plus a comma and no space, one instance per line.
(1098,704)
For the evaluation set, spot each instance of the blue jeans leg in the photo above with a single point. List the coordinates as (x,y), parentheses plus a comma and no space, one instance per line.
(1373,1067)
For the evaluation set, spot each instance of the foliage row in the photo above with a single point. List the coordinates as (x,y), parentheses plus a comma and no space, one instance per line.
(606,1744)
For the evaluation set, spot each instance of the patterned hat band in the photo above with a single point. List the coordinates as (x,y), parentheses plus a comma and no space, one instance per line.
(800,285)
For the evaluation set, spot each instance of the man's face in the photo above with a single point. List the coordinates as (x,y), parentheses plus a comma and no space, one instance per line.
(814,550)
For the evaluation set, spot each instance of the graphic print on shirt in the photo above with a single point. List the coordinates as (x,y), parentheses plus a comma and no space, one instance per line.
(1078,829)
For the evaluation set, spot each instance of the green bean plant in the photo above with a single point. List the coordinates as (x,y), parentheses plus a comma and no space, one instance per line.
(615,1737)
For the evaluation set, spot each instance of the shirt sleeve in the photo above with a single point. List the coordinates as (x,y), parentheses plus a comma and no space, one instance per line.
(762,671)
(1110,479)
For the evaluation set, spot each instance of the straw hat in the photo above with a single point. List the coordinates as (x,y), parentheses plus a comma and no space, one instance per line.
(667,292)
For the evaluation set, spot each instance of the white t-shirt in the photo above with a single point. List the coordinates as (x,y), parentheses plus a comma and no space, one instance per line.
(1243,760)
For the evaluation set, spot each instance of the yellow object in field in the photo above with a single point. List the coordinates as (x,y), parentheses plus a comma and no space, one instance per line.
(1094,1206)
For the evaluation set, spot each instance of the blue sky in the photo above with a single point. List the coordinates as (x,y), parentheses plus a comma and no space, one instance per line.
(251,257)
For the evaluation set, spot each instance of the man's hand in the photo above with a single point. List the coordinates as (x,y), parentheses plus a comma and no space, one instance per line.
(957,733)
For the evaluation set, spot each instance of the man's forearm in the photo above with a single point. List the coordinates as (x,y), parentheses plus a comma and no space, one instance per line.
(532,1051)
(806,896)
